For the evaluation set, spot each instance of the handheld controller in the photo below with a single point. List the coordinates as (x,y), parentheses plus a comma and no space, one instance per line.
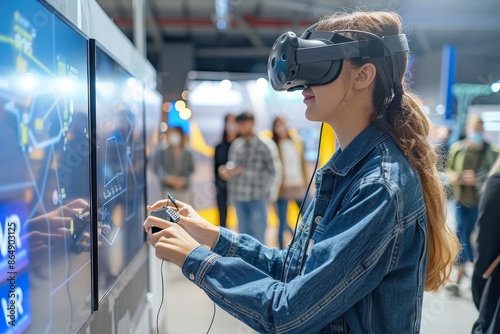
(80,231)
(166,214)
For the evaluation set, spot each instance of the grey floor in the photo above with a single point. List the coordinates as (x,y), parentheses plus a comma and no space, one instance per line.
(187,310)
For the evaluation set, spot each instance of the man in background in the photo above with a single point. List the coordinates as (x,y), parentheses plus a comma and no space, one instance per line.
(469,162)
(250,172)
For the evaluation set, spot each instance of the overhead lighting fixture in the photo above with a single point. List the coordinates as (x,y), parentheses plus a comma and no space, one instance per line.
(221,14)
(495,87)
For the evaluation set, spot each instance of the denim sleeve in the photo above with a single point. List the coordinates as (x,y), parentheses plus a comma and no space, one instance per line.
(343,267)
(250,250)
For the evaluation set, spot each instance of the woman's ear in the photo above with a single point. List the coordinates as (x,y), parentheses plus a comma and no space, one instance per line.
(364,76)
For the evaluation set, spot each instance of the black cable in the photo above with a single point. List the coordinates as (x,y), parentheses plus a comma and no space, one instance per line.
(162,298)
(302,204)
(170,197)
(211,322)
(161,304)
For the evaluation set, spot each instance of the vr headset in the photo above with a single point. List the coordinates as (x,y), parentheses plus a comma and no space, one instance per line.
(316,57)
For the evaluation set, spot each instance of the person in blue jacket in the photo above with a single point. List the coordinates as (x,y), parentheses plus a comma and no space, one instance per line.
(375,235)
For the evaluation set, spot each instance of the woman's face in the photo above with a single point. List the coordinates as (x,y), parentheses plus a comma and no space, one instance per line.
(231,126)
(280,128)
(174,138)
(325,103)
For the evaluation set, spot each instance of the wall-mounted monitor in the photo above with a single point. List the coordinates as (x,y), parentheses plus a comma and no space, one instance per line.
(119,182)
(45,258)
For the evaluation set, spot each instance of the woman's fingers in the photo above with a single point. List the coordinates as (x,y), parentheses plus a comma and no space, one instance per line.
(154,238)
(158,204)
(155,221)
(179,206)
(172,244)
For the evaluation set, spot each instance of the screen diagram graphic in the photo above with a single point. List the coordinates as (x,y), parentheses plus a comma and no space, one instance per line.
(120,181)
(45,262)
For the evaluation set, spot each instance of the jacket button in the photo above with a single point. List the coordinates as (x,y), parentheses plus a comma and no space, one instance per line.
(317,220)
(191,276)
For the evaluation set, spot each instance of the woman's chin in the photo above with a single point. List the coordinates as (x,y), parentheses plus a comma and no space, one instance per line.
(310,115)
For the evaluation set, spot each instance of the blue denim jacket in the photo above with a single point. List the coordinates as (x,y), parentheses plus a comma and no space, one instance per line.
(357,264)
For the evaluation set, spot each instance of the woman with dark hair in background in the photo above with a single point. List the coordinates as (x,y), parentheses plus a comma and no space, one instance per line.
(486,276)
(375,235)
(220,158)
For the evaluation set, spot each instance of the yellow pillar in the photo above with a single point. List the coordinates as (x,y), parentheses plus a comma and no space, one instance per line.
(327,144)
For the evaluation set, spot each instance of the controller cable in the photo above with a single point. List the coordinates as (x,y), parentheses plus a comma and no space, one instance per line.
(171,198)
(299,214)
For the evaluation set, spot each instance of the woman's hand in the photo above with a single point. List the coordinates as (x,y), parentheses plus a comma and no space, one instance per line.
(173,243)
(196,226)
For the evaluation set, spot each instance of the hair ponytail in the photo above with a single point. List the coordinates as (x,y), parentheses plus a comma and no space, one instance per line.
(409,127)
(399,112)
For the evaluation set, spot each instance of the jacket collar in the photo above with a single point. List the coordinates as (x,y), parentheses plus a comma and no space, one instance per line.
(343,160)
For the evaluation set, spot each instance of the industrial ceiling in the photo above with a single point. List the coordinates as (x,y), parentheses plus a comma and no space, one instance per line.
(253,25)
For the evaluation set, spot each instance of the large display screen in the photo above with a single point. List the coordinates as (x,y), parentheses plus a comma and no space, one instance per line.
(120,164)
(45,259)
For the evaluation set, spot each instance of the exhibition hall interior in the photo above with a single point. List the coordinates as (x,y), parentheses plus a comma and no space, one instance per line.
(207,106)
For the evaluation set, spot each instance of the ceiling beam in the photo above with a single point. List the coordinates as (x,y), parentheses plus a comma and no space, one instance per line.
(306,7)
(249,32)
(232,52)
(124,22)
(153,28)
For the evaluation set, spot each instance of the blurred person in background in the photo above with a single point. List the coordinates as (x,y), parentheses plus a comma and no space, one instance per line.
(486,275)
(250,173)
(221,155)
(294,179)
(468,164)
(174,165)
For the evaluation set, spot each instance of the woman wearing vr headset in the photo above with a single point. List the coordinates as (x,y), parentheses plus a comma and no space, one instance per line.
(375,235)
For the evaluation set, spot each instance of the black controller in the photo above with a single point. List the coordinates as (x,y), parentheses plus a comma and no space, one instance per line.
(165,214)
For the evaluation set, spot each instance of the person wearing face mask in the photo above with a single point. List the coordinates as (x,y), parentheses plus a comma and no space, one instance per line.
(220,159)
(174,165)
(468,164)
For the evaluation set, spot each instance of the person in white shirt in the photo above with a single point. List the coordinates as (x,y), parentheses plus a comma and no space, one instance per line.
(294,180)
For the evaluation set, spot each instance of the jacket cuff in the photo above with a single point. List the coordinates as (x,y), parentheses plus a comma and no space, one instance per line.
(227,244)
(197,263)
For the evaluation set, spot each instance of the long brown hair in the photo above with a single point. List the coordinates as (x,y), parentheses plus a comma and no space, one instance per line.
(225,135)
(275,134)
(402,116)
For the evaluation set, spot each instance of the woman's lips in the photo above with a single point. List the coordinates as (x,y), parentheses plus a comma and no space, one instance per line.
(307,96)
